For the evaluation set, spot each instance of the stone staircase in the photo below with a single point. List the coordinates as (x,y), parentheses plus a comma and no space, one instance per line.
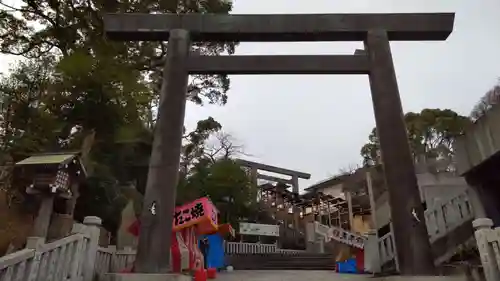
(449,225)
(276,261)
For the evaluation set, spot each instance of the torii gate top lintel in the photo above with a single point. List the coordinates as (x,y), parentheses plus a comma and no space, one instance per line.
(273,169)
(279,27)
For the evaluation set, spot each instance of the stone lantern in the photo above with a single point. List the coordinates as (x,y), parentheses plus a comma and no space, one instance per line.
(51,175)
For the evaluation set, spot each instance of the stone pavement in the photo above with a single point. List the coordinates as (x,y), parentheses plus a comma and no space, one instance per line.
(314,275)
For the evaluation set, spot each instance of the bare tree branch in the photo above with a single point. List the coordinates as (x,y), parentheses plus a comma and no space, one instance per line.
(349,170)
(224,146)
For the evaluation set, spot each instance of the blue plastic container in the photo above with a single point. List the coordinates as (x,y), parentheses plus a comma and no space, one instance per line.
(348,266)
(215,256)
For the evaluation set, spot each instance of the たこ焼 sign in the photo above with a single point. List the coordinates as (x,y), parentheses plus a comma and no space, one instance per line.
(200,212)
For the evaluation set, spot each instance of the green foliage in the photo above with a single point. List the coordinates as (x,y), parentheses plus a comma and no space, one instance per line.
(102,193)
(227,185)
(74,31)
(72,81)
(195,143)
(487,101)
(26,122)
(431,132)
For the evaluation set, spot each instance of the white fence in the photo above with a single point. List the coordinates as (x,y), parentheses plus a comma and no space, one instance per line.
(488,244)
(69,259)
(254,248)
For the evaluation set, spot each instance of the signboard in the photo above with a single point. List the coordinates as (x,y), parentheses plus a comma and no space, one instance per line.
(200,212)
(259,229)
(340,235)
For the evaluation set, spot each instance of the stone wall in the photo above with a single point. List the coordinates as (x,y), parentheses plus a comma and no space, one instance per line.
(15,225)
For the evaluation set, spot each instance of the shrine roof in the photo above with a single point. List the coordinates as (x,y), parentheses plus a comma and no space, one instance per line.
(54,159)
(327,183)
(48,158)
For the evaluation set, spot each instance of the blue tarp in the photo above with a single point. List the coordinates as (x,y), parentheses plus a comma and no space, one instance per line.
(215,252)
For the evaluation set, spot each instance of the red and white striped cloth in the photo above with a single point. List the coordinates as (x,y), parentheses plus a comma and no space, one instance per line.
(184,252)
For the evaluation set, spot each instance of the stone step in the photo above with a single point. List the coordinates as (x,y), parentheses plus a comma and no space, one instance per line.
(304,261)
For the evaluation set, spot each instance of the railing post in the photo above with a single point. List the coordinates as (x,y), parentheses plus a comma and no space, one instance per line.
(93,231)
(310,237)
(34,242)
(112,258)
(34,265)
(320,242)
(371,252)
(482,228)
(394,247)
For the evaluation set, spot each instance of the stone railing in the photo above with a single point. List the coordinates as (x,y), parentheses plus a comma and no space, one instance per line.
(386,248)
(440,220)
(488,244)
(445,217)
(79,258)
(70,258)
(111,260)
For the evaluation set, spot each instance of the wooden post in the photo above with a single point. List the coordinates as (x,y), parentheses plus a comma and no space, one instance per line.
(415,258)
(42,221)
(295,210)
(373,207)
(329,213)
(295,184)
(349,209)
(71,203)
(253,175)
(153,252)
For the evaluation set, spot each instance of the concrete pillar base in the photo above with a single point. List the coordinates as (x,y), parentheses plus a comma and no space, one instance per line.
(146,277)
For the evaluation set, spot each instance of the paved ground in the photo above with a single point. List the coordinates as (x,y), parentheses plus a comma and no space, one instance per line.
(287,275)
(311,275)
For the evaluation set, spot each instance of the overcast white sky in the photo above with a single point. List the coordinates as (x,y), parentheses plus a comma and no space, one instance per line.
(317,124)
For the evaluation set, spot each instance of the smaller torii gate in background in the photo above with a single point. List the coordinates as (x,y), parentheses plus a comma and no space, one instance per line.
(255,167)
(293,181)
(375,30)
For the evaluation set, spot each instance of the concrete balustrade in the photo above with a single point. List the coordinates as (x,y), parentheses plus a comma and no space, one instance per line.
(71,258)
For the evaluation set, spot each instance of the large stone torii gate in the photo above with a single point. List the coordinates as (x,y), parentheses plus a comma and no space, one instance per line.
(376,30)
